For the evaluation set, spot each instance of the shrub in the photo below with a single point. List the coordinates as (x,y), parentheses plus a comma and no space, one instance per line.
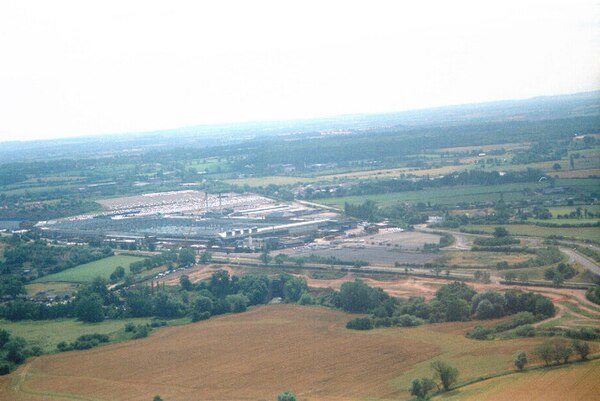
(237,303)
(198,316)
(593,294)
(64,346)
(129,327)
(480,333)
(520,319)
(421,388)
(520,360)
(287,396)
(409,321)
(141,331)
(5,368)
(360,323)
(526,330)
(306,299)
(584,333)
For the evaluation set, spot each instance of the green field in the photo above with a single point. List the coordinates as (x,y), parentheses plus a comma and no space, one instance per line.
(50,288)
(582,233)
(568,209)
(447,196)
(87,272)
(578,381)
(47,333)
(209,165)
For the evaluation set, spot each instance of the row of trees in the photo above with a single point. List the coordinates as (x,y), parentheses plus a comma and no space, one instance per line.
(559,351)
(453,302)
(445,375)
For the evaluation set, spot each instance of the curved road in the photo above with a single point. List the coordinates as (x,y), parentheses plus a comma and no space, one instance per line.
(576,257)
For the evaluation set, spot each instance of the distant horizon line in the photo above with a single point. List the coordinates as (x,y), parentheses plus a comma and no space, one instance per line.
(292,120)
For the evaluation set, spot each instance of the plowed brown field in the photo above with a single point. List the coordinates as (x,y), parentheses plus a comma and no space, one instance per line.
(259,354)
(250,356)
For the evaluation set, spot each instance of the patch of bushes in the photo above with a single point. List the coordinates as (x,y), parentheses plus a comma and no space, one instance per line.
(141,331)
(520,319)
(85,341)
(480,333)
(593,294)
(564,270)
(584,333)
(360,323)
(496,241)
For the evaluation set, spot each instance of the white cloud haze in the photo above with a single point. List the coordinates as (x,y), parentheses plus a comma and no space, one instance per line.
(71,68)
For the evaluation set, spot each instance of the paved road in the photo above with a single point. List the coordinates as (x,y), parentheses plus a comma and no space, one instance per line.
(576,257)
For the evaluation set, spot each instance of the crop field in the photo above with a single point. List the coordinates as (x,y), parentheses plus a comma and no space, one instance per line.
(594,172)
(403,239)
(259,354)
(49,288)
(556,210)
(486,148)
(576,382)
(47,333)
(447,196)
(88,271)
(209,165)
(272,179)
(582,233)
(488,259)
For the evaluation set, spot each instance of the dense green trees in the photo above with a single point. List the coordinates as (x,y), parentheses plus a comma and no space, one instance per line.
(187,257)
(13,351)
(118,274)
(11,286)
(593,294)
(165,258)
(559,273)
(357,297)
(582,348)
(454,302)
(42,259)
(488,305)
(366,211)
(89,309)
(202,308)
(294,287)
(554,350)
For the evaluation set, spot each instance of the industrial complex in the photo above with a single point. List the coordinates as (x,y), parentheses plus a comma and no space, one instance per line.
(197,219)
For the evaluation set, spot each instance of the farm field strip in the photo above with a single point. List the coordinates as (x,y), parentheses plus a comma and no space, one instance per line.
(48,333)
(447,195)
(88,271)
(583,233)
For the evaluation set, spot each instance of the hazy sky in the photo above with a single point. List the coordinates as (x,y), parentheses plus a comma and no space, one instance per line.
(78,67)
